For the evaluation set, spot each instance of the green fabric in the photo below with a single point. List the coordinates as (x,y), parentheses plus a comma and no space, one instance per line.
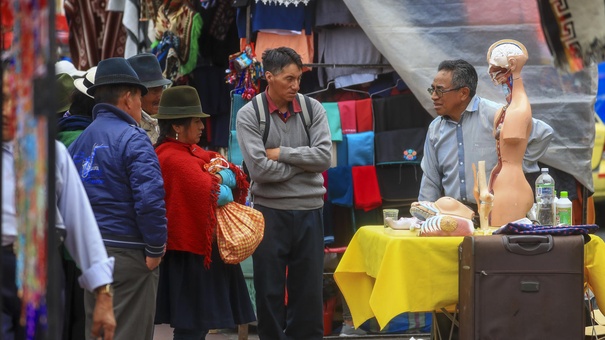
(68,137)
(196,31)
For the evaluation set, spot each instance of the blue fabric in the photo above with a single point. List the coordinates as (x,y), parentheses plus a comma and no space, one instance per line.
(225,195)
(275,16)
(342,153)
(340,186)
(234,154)
(360,148)
(228,178)
(73,123)
(530,229)
(237,102)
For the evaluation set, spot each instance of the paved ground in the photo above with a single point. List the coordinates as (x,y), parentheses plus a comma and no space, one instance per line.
(164,332)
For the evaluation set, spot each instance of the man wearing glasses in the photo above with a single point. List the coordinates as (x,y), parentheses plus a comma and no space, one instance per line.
(462,135)
(148,68)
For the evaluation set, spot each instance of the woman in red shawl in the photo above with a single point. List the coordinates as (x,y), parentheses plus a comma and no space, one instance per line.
(197,290)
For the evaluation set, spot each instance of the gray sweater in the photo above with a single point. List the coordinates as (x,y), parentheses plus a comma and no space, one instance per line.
(295,181)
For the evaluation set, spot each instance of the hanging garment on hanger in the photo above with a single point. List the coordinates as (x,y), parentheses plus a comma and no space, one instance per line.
(347,116)
(273,16)
(333,115)
(366,193)
(363,115)
(340,186)
(360,148)
(346,45)
(301,43)
(399,112)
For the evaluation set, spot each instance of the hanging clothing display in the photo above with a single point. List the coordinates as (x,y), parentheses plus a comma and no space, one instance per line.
(95,33)
(574,31)
(178,27)
(135,24)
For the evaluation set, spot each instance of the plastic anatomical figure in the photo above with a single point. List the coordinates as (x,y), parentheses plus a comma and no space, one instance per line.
(482,194)
(513,196)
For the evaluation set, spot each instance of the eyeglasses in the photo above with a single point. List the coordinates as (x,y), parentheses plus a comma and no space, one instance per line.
(440,92)
(157,89)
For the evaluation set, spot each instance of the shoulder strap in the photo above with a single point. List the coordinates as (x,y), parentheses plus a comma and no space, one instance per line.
(260,104)
(307,114)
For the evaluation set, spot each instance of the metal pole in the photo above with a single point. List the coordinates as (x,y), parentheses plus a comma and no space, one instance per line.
(42,99)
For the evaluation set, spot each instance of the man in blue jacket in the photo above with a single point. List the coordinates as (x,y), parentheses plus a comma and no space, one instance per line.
(122,178)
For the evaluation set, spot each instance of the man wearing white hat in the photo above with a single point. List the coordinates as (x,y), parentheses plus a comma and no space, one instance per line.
(65,66)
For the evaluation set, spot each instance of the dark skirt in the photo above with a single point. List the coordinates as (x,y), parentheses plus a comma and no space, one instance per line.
(192,297)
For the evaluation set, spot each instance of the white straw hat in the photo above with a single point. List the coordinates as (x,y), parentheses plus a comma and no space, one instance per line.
(82,84)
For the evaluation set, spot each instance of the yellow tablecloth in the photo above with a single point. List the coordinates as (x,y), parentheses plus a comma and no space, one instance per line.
(382,275)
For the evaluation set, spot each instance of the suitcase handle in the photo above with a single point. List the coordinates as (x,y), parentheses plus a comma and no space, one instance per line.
(528,244)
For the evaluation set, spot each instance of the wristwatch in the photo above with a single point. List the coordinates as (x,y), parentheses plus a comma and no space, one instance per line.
(105,289)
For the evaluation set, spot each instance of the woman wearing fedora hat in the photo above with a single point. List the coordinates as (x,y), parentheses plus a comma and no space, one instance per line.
(197,290)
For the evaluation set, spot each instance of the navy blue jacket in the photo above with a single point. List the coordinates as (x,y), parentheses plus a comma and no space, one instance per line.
(121,174)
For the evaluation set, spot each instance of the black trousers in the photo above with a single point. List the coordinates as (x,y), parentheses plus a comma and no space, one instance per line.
(11,304)
(293,241)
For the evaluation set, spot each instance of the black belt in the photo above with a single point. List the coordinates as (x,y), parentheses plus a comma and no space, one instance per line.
(8,247)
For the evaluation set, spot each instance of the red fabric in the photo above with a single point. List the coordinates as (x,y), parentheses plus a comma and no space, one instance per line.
(363,115)
(347,116)
(365,188)
(191,196)
(7,21)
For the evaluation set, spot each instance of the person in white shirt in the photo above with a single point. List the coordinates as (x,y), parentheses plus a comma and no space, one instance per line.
(74,214)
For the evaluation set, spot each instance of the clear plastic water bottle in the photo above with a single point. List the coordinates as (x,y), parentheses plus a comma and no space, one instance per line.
(545,195)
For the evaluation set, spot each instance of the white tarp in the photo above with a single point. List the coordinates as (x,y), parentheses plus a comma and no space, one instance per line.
(416,35)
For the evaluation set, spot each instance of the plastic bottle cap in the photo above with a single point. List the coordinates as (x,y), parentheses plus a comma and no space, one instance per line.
(544,169)
(563,194)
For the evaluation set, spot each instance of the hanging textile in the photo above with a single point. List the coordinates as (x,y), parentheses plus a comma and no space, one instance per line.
(178,28)
(95,34)
(28,63)
(574,31)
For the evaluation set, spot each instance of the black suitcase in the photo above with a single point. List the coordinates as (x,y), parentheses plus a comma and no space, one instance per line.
(516,287)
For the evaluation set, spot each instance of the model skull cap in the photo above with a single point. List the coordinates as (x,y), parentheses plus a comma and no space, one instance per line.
(116,71)
(180,102)
(498,52)
(148,68)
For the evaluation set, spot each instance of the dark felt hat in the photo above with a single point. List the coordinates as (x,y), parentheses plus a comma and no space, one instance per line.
(65,88)
(180,102)
(147,66)
(115,71)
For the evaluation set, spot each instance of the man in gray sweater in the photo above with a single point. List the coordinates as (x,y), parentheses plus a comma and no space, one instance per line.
(287,187)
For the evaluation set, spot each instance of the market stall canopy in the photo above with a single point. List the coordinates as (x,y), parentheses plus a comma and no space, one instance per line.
(416,35)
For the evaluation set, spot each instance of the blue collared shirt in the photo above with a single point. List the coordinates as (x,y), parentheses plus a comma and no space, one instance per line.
(452,147)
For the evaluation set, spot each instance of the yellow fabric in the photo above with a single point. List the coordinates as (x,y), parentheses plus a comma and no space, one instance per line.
(382,276)
(594,268)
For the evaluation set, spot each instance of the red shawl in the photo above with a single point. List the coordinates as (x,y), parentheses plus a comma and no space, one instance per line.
(191,196)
